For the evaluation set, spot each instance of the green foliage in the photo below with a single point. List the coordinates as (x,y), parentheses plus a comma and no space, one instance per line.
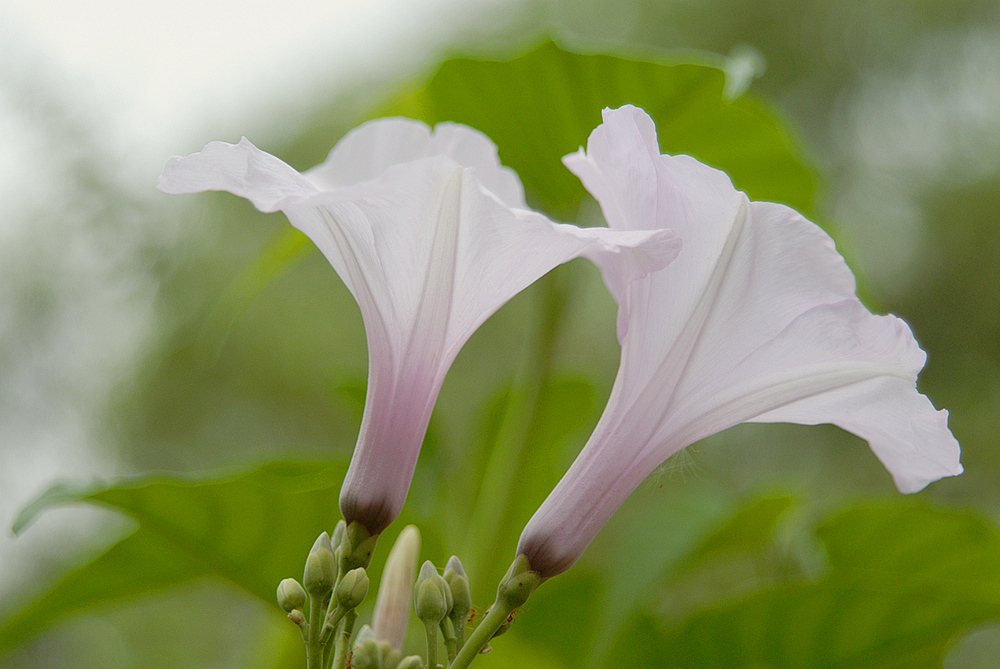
(544,104)
(903,580)
(250,529)
(750,529)
(672,547)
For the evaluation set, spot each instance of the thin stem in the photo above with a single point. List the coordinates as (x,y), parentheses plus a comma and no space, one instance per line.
(481,636)
(332,610)
(314,649)
(332,623)
(452,648)
(459,635)
(344,640)
(431,631)
(514,589)
(328,655)
(450,641)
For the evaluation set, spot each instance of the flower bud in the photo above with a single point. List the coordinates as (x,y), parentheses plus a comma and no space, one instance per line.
(291,595)
(364,634)
(392,606)
(365,651)
(411,662)
(338,535)
(352,589)
(370,653)
(458,585)
(321,568)
(431,597)
(390,656)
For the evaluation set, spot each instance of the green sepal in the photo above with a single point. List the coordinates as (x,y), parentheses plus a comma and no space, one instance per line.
(518,584)
(356,547)
(338,535)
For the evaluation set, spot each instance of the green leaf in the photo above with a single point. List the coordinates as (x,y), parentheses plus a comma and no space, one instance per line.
(278,256)
(136,565)
(250,529)
(904,579)
(750,530)
(684,545)
(659,544)
(544,104)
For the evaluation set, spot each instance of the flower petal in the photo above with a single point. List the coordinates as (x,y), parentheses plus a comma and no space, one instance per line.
(242,169)
(638,189)
(478,255)
(756,320)
(368,150)
(419,226)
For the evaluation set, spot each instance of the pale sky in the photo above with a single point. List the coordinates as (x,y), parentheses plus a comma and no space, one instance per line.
(161,69)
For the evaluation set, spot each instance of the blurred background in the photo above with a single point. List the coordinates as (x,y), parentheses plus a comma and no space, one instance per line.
(129,344)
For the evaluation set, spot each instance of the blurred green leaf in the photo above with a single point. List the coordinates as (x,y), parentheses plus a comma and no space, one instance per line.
(136,565)
(678,547)
(750,530)
(544,104)
(904,579)
(653,550)
(250,529)
(276,257)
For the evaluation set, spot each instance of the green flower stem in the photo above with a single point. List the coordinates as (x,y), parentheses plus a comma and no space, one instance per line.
(514,590)
(330,626)
(317,619)
(344,641)
(450,641)
(431,631)
(481,635)
(458,627)
(328,655)
(332,623)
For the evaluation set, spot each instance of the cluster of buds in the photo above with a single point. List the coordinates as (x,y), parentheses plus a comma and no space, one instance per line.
(334,584)
(370,652)
(443,603)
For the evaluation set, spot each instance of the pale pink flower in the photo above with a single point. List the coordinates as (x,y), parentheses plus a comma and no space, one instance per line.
(755,320)
(431,235)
